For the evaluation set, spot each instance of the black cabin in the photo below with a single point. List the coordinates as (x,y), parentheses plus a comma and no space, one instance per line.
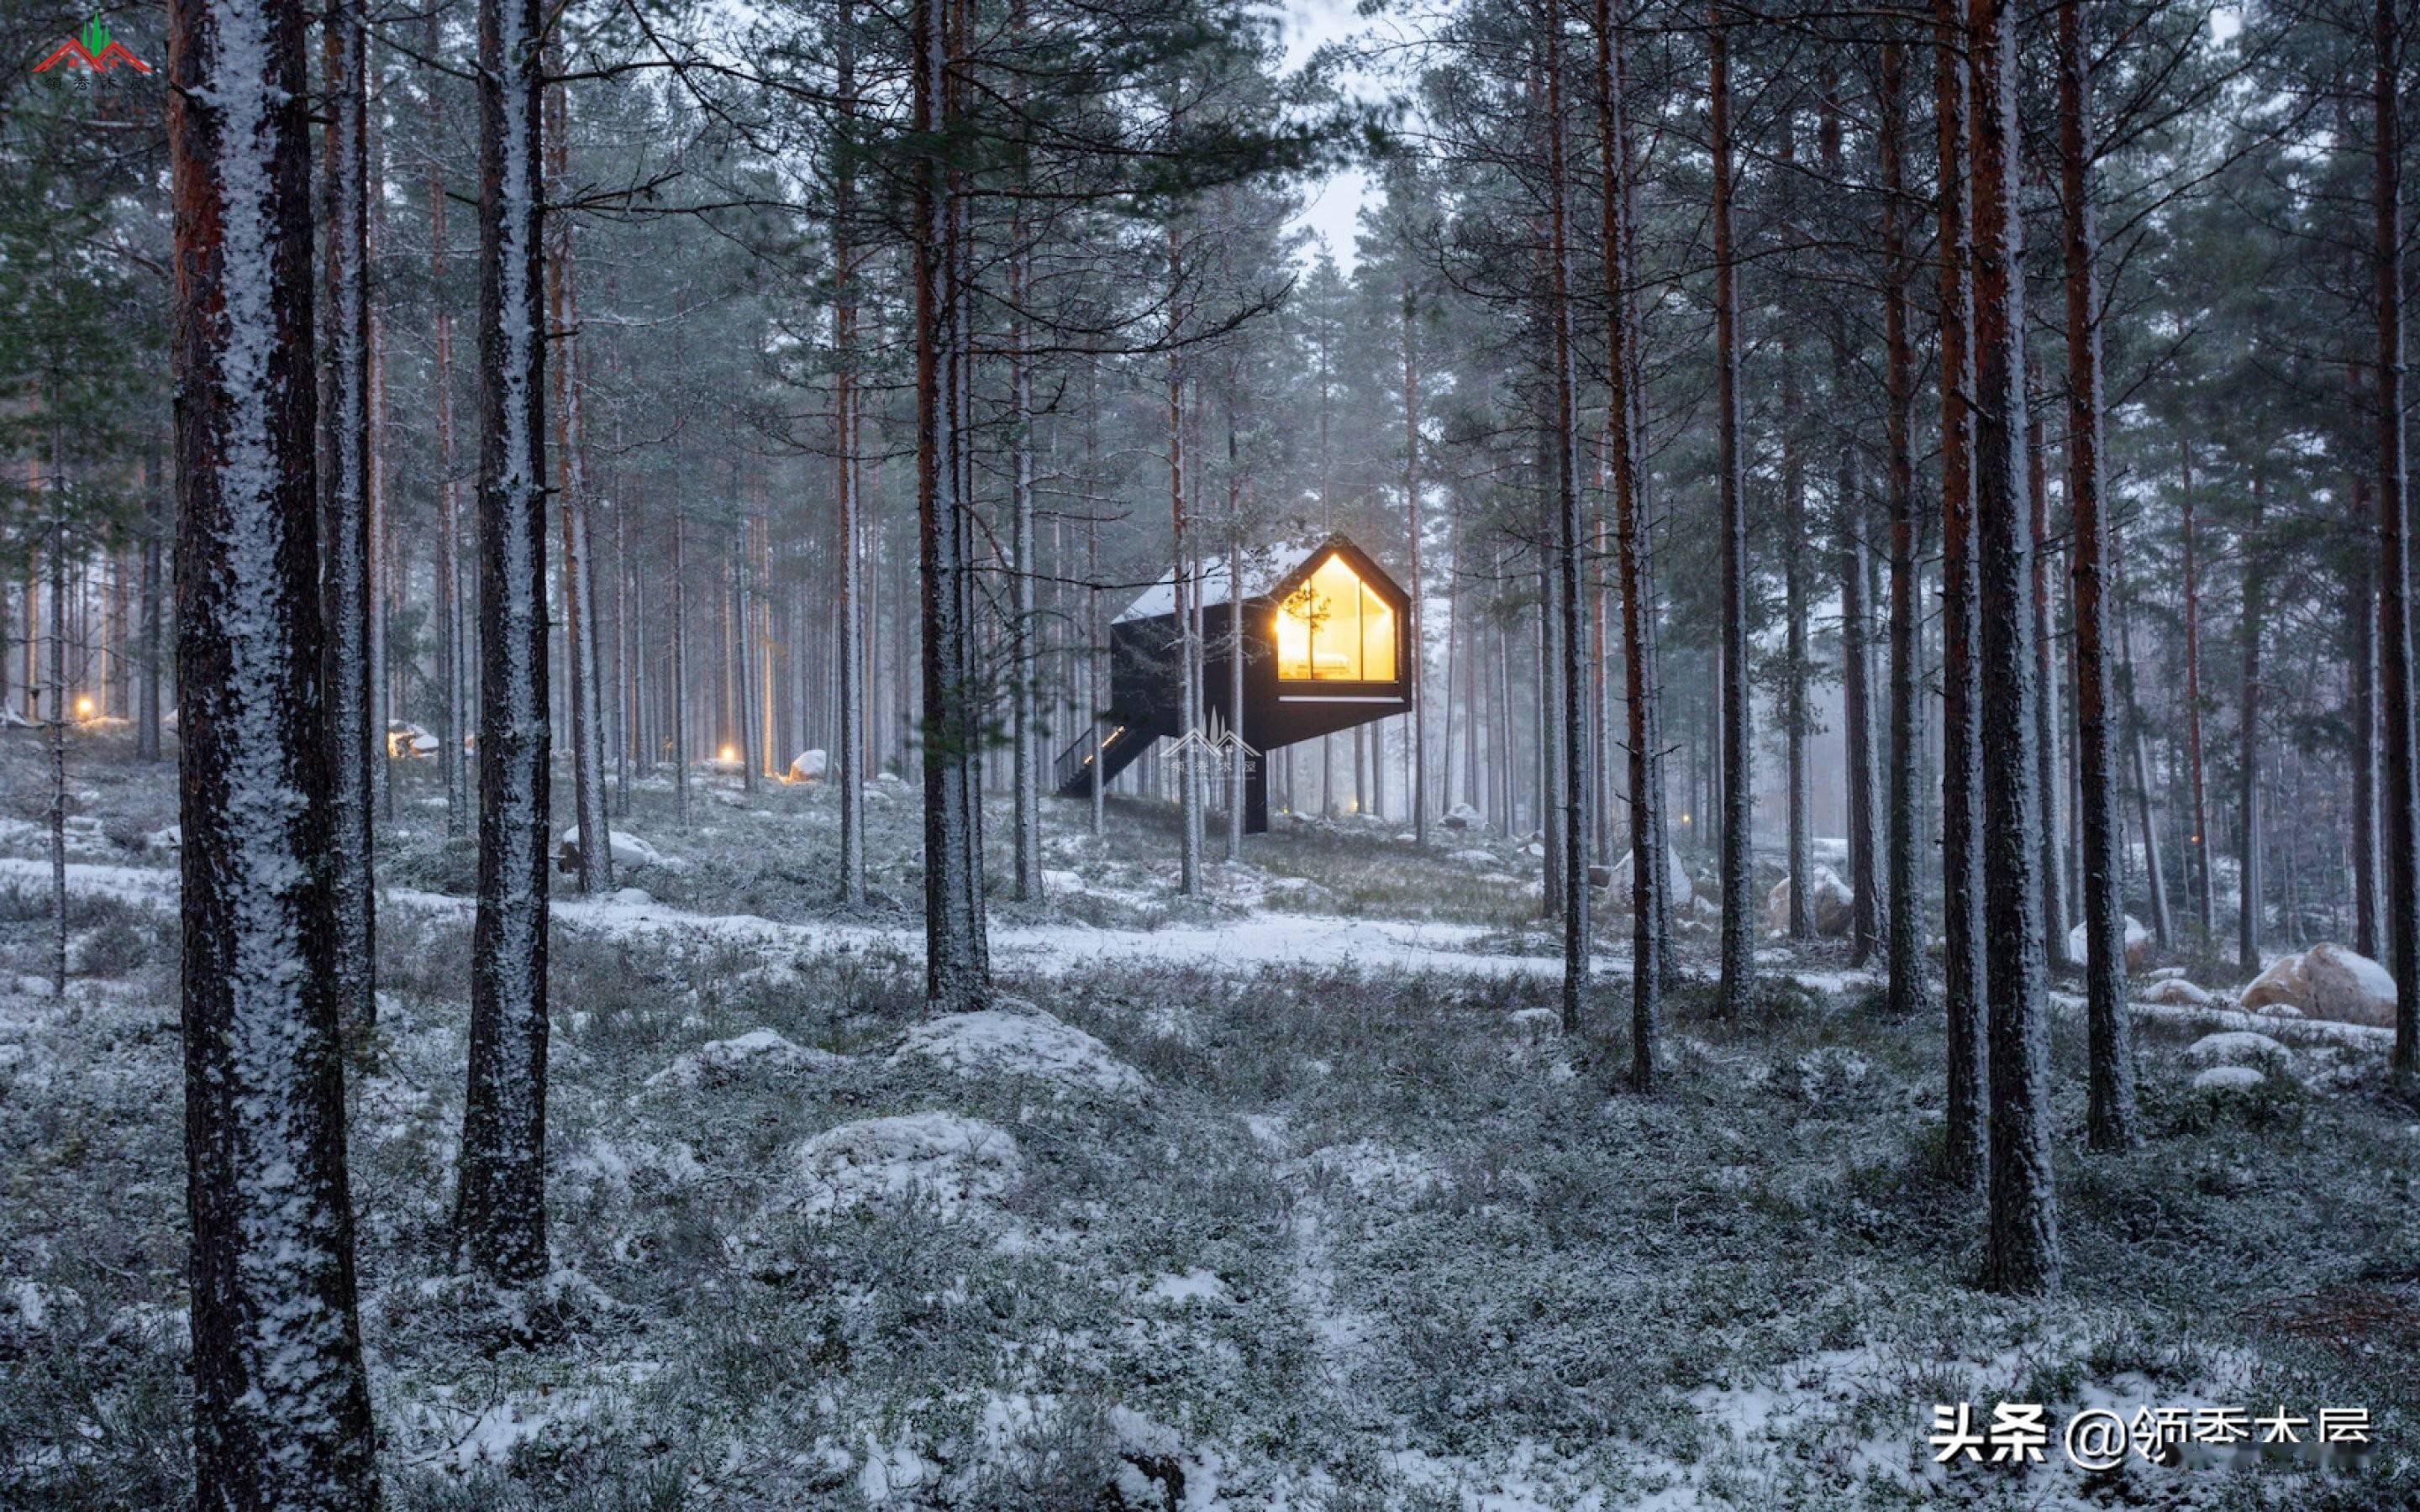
(1326,646)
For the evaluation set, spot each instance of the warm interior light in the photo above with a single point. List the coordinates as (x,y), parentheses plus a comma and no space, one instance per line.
(1333,628)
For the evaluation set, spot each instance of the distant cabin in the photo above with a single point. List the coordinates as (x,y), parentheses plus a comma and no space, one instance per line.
(1326,646)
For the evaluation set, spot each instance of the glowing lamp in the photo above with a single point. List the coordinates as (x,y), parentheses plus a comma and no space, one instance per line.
(84,707)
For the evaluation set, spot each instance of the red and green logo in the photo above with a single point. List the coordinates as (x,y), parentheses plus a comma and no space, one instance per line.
(93,49)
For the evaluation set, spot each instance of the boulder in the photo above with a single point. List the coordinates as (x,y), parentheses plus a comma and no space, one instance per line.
(2326,981)
(1831,903)
(2348,987)
(1461,816)
(2237,1047)
(629,851)
(1483,859)
(2228,1079)
(2177,993)
(2281,983)
(2138,944)
(1677,886)
(807,766)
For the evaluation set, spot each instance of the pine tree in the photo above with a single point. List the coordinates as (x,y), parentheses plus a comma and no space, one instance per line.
(281,1402)
(2021,1253)
(501,1195)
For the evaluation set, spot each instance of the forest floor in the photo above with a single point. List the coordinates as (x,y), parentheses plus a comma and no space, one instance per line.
(1291,1198)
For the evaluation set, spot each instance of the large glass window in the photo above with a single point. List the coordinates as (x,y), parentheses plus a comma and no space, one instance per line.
(1334,629)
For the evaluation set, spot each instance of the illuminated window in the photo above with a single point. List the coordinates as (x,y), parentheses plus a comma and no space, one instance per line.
(1334,629)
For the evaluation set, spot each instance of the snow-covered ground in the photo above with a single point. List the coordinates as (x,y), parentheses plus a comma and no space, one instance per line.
(1293,1197)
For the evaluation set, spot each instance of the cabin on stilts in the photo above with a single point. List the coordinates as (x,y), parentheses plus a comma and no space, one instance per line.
(1326,646)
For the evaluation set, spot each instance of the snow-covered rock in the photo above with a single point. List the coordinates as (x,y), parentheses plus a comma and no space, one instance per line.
(2228,1079)
(1022,1042)
(1462,816)
(633,897)
(1831,903)
(2178,992)
(1483,859)
(2326,981)
(2138,943)
(629,851)
(2348,987)
(1678,888)
(807,766)
(2237,1047)
(1056,880)
(939,1158)
(721,1060)
(1536,1023)
(170,839)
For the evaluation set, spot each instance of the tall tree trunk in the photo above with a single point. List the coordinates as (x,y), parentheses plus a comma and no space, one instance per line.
(2394,529)
(954,977)
(679,693)
(1416,788)
(452,642)
(500,1222)
(1738,955)
(2361,721)
(1856,656)
(281,1402)
(55,491)
(2110,1123)
(1796,713)
(849,770)
(2022,1248)
(2205,886)
(1024,657)
(2054,867)
(344,547)
(1569,600)
(2250,890)
(596,872)
(155,528)
(1904,933)
(2155,876)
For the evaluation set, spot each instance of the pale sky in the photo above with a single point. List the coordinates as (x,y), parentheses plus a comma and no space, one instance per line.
(1331,206)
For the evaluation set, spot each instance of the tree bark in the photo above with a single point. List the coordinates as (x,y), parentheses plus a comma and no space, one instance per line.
(2393,531)
(2110,1122)
(1856,656)
(595,870)
(354,742)
(2022,1248)
(1570,601)
(2362,731)
(1904,935)
(281,1402)
(2250,889)
(1738,957)
(2197,837)
(1961,814)
(849,769)
(500,1221)
(954,977)
(452,642)
(2053,868)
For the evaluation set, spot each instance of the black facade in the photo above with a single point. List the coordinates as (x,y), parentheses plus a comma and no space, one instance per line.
(1278,710)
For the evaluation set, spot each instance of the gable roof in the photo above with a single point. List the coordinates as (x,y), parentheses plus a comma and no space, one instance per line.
(1266,568)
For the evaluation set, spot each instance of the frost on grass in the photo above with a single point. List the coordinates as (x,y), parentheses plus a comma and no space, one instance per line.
(758,1051)
(938,1160)
(1028,1043)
